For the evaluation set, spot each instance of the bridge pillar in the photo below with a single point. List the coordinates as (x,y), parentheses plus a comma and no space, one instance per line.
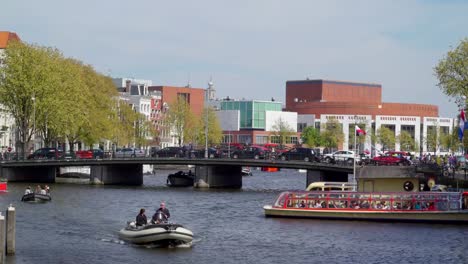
(29,174)
(124,174)
(314,176)
(218,177)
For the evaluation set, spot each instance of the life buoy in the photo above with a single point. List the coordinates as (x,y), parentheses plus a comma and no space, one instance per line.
(446,173)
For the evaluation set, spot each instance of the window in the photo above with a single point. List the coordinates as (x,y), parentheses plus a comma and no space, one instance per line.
(261,139)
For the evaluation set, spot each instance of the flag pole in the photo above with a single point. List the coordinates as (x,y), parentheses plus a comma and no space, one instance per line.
(354,158)
(354,161)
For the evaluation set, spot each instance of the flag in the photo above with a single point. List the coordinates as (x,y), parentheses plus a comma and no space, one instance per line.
(359,132)
(461,125)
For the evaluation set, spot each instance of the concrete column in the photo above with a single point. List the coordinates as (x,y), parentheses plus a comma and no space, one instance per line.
(314,176)
(40,174)
(125,174)
(218,177)
(11,231)
(2,239)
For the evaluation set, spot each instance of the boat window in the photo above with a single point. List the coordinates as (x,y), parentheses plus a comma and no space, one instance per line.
(454,205)
(314,195)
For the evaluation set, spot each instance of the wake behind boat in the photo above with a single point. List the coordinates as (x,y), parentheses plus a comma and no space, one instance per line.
(36,197)
(164,234)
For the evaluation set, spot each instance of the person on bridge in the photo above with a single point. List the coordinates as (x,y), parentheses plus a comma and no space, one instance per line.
(163,211)
(141,218)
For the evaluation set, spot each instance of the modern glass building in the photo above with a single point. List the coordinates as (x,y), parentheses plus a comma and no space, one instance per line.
(252,113)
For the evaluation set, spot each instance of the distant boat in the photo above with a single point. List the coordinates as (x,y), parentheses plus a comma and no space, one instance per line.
(246,171)
(36,197)
(180,179)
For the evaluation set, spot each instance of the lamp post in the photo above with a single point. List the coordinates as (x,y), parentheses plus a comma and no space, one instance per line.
(206,134)
(33,98)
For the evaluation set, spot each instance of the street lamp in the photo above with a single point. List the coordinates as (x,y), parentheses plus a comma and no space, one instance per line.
(33,98)
(206,133)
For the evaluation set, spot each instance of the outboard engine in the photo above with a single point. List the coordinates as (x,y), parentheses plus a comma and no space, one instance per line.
(161,218)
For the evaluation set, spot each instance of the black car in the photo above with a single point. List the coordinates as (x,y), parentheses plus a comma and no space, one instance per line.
(305,154)
(250,153)
(45,153)
(169,152)
(200,153)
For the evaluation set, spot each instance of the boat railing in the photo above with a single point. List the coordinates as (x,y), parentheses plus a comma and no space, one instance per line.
(418,201)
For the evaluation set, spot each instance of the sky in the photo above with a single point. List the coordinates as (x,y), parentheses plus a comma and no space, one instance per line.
(250,48)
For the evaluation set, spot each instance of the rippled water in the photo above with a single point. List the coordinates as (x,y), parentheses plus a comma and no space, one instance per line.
(80,225)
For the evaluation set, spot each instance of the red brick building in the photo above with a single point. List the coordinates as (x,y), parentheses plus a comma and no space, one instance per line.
(347,98)
(5,37)
(195,96)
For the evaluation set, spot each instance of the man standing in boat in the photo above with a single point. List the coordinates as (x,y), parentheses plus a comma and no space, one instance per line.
(163,211)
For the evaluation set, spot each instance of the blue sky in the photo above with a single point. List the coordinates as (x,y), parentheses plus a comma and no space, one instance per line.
(251,48)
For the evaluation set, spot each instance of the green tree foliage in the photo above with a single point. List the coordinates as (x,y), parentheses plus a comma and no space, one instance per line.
(452,71)
(332,134)
(407,142)
(181,120)
(311,137)
(386,137)
(215,133)
(28,82)
(282,130)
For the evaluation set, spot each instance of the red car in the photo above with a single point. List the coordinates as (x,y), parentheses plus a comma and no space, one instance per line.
(389,159)
(90,154)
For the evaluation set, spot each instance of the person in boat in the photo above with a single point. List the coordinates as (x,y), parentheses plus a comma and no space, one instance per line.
(38,189)
(43,191)
(47,189)
(141,218)
(28,190)
(164,213)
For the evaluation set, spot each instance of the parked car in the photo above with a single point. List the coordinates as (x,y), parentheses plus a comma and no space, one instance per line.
(305,154)
(90,154)
(45,153)
(200,153)
(340,156)
(153,150)
(129,153)
(169,152)
(390,160)
(250,153)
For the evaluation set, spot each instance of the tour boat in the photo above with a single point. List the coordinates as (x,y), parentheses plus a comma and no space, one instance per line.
(180,179)
(36,197)
(164,234)
(3,187)
(442,207)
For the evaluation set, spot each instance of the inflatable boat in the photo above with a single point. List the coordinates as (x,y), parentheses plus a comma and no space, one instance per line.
(166,234)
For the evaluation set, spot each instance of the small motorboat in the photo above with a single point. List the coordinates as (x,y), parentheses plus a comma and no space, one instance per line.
(159,233)
(164,234)
(181,179)
(36,197)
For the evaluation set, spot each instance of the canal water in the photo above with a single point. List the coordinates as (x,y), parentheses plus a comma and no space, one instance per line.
(81,222)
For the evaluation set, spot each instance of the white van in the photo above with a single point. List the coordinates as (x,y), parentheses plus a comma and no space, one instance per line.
(331,186)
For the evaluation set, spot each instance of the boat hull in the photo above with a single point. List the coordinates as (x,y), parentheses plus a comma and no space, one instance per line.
(36,197)
(459,217)
(180,180)
(165,234)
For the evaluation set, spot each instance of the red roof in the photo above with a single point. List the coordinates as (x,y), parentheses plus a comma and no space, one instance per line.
(6,36)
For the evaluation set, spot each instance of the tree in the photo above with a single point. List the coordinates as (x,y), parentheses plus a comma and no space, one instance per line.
(332,134)
(386,137)
(432,140)
(28,80)
(407,142)
(311,137)
(215,133)
(181,119)
(281,129)
(452,71)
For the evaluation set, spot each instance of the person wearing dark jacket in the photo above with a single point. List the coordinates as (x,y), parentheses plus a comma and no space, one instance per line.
(141,218)
(164,213)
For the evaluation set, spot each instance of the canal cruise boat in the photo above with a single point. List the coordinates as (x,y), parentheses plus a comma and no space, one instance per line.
(441,207)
